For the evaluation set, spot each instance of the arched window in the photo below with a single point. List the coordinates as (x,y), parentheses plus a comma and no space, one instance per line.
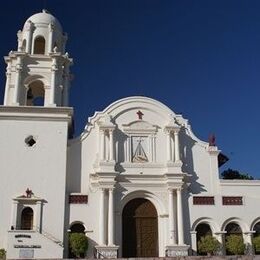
(39,45)
(35,94)
(27,219)
(202,230)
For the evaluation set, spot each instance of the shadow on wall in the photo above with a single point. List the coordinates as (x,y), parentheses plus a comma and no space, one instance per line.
(73,184)
(186,145)
(74,168)
(92,252)
(120,149)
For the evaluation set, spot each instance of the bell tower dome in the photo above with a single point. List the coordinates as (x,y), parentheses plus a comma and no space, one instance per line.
(38,72)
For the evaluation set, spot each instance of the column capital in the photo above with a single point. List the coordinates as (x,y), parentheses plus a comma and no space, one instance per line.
(176,130)
(168,129)
(18,67)
(179,188)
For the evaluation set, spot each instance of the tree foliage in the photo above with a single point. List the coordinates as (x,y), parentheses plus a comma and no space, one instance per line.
(2,253)
(208,245)
(256,243)
(78,244)
(230,174)
(235,245)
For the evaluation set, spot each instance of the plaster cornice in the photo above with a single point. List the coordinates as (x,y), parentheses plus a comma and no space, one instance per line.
(40,113)
(239,182)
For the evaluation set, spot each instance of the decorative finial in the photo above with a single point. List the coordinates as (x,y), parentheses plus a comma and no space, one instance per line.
(212,140)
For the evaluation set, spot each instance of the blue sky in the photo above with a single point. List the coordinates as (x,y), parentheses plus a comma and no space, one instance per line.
(201,58)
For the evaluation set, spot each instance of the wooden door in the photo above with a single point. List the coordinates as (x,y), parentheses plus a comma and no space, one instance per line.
(140,229)
(27,219)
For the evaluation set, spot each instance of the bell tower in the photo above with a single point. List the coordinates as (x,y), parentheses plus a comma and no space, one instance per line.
(38,73)
(36,123)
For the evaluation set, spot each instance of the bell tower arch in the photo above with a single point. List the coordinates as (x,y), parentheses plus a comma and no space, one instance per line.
(41,53)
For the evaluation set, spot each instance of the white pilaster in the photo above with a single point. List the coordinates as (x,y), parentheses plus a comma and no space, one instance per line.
(102,218)
(50,42)
(220,236)
(111,145)
(180,217)
(153,149)
(172,238)
(176,146)
(7,84)
(28,37)
(66,84)
(53,81)
(247,236)
(38,223)
(20,41)
(129,149)
(194,242)
(19,67)
(169,147)
(14,214)
(111,217)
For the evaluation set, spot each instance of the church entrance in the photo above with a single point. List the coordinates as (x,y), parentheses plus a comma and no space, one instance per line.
(140,229)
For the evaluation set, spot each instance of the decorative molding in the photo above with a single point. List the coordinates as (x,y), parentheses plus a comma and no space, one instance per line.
(203,200)
(177,250)
(232,200)
(107,252)
(78,199)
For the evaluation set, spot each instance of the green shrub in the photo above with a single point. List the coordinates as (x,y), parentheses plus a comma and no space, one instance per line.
(78,243)
(2,253)
(208,245)
(256,243)
(235,245)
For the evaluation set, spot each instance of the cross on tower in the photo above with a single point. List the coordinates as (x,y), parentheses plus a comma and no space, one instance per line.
(140,114)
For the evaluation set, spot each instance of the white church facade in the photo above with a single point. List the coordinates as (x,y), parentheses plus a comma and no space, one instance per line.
(137,181)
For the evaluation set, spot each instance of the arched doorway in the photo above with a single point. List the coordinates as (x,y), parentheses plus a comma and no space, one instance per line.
(232,229)
(27,219)
(77,227)
(140,229)
(256,234)
(202,230)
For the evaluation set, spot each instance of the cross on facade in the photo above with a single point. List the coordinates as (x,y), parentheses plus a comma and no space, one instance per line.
(28,193)
(140,114)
